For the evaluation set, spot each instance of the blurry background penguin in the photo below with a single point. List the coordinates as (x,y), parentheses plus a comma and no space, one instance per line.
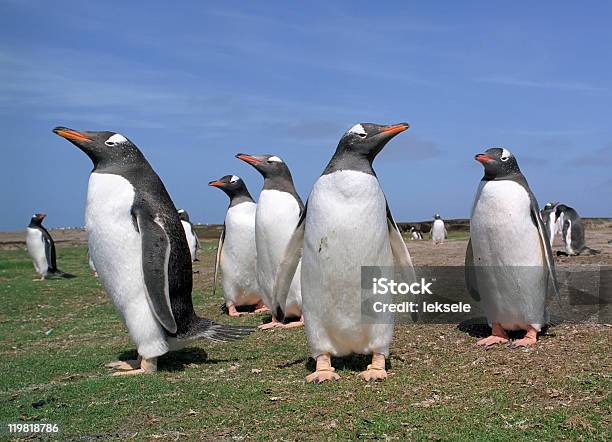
(438,230)
(572,232)
(345,225)
(509,265)
(549,218)
(192,239)
(138,246)
(415,234)
(41,248)
(236,252)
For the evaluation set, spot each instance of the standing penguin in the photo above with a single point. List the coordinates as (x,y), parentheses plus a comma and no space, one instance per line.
(41,248)
(139,249)
(572,231)
(347,224)
(509,263)
(236,252)
(278,210)
(192,239)
(548,214)
(438,230)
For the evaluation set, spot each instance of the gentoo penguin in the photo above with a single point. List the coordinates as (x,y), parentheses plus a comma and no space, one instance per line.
(549,219)
(41,248)
(415,234)
(572,231)
(278,210)
(347,224)
(438,230)
(192,239)
(236,252)
(139,249)
(509,263)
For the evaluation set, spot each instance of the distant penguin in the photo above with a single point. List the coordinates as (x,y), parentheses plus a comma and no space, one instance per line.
(138,246)
(192,239)
(549,220)
(572,231)
(438,230)
(347,224)
(236,252)
(278,211)
(41,248)
(415,234)
(509,263)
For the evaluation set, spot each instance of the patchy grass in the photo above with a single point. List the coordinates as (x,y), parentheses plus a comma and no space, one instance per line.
(56,335)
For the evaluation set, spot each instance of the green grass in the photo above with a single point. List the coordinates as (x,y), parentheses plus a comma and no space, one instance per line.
(55,337)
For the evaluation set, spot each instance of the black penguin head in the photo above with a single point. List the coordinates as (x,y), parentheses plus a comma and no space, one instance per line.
(498,163)
(368,139)
(232,185)
(269,166)
(183,215)
(559,209)
(104,148)
(436,216)
(37,219)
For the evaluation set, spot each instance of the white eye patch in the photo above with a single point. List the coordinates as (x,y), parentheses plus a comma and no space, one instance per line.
(274,159)
(357,129)
(234,178)
(115,139)
(506,154)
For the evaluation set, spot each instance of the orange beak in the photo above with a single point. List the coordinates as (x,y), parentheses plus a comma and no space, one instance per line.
(395,128)
(248,158)
(70,134)
(216,183)
(483,158)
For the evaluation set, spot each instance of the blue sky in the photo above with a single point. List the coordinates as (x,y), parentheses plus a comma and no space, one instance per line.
(193,83)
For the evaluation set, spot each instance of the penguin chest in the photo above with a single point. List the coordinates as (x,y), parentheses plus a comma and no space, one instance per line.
(114,242)
(191,240)
(239,256)
(346,228)
(276,218)
(36,249)
(437,230)
(501,227)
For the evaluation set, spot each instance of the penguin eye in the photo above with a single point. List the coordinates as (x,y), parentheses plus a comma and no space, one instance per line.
(362,135)
(234,178)
(504,159)
(115,139)
(274,159)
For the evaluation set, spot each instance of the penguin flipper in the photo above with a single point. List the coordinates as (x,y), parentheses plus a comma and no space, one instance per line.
(470,273)
(155,258)
(288,265)
(49,250)
(218,259)
(545,243)
(401,255)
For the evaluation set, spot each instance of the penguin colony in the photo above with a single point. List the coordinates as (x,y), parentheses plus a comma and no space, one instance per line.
(301,262)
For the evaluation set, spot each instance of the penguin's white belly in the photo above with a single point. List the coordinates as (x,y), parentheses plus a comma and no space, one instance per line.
(36,249)
(510,269)
(239,256)
(277,216)
(191,240)
(437,230)
(116,251)
(346,228)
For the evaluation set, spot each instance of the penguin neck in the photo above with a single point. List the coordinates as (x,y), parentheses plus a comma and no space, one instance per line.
(35,225)
(516,176)
(344,159)
(243,197)
(283,183)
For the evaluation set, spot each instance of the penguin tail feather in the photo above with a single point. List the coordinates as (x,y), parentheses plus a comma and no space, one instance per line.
(205,328)
(59,274)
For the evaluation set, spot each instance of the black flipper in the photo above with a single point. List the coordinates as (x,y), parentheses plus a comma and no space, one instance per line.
(470,273)
(155,258)
(218,259)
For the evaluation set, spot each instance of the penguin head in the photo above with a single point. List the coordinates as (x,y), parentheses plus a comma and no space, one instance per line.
(498,163)
(37,219)
(436,216)
(268,165)
(232,185)
(559,209)
(103,148)
(183,215)
(368,139)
